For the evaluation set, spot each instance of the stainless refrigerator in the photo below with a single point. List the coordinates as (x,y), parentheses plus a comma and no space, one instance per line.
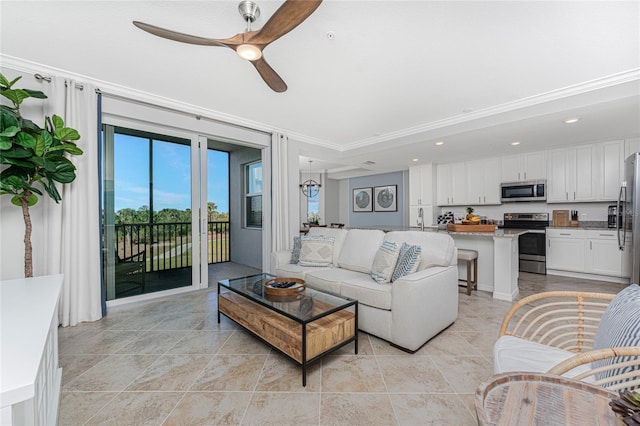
(629,226)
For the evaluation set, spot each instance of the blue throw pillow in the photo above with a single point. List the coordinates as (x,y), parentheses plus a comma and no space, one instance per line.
(408,261)
(619,326)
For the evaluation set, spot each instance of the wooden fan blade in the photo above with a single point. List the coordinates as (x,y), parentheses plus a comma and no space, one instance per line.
(181,37)
(287,17)
(273,80)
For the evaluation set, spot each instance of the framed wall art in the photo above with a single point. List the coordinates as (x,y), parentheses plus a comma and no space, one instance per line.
(362,200)
(385,198)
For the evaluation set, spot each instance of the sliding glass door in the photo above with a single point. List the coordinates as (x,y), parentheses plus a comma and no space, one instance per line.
(148,213)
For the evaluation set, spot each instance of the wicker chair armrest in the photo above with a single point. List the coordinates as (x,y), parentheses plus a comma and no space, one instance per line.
(529,307)
(629,357)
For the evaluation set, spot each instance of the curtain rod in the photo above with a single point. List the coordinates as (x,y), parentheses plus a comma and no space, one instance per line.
(171,109)
(48,80)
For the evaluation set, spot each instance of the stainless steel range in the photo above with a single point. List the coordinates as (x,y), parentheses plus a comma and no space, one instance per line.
(532,249)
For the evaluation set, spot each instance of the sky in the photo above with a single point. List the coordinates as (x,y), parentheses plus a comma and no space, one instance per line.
(171,175)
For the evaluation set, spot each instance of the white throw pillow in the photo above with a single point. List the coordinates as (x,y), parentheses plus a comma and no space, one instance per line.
(316,250)
(385,262)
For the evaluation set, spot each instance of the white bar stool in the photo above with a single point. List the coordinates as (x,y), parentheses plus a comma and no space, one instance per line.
(469,256)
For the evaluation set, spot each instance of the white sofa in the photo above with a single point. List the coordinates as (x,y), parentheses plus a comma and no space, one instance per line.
(407,312)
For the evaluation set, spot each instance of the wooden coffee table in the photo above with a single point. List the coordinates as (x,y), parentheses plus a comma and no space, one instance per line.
(530,398)
(304,327)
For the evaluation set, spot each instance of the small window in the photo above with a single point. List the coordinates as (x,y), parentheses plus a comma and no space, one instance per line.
(253,195)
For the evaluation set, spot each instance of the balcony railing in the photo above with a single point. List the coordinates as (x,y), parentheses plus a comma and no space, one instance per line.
(169,245)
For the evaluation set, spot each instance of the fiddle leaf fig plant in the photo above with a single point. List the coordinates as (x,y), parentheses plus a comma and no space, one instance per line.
(32,158)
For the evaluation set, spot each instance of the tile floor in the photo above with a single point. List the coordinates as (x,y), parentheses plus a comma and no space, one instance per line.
(169,362)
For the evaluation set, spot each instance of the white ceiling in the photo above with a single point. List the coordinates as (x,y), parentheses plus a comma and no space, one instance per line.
(397,77)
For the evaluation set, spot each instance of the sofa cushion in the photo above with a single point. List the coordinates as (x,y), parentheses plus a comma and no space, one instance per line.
(367,292)
(330,280)
(316,250)
(438,249)
(514,354)
(359,249)
(338,235)
(292,270)
(408,261)
(384,262)
(619,326)
(295,251)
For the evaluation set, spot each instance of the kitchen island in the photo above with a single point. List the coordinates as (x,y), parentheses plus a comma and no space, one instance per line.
(497,260)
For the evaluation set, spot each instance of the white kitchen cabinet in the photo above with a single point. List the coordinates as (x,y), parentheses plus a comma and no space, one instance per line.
(451,184)
(572,175)
(587,251)
(528,166)
(421,185)
(631,146)
(565,249)
(602,253)
(483,181)
(610,169)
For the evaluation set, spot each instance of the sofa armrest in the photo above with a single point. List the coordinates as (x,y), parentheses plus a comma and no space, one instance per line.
(623,373)
(563,319)
(279,258)
(423,304)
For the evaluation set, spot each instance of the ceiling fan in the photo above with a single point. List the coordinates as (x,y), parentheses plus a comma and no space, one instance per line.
(249,44)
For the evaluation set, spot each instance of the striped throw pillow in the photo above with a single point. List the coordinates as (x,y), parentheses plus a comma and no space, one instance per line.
(384,262)
(408,261)
(619,326)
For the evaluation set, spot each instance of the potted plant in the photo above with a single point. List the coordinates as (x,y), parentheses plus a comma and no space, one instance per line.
(32,158)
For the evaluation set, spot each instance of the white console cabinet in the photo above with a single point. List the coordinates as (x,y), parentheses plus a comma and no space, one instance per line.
(30,377)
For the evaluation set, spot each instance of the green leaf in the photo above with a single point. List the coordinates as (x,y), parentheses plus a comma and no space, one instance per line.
(64,173)
(58,123)
(31,201)
(49,166)
(8,118)
(44,142)
(67,134)
(10,131)
(67,147)
(3,80)
(5,144)
(26,140)
(15,95)
(18,162)
(51,189)
(17,152)
(36,94)
(30,126)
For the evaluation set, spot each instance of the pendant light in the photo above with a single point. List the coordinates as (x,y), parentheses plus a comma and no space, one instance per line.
(310,188)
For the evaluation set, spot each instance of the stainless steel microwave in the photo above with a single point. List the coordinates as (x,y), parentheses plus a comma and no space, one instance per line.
(531,190)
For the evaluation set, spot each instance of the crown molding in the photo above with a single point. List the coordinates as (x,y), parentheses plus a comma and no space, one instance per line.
(108,88)
(554,95)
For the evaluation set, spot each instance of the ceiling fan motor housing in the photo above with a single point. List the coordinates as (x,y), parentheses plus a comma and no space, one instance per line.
(249,10)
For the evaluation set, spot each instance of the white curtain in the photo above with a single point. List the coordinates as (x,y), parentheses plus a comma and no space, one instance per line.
(284,192)
(72,243)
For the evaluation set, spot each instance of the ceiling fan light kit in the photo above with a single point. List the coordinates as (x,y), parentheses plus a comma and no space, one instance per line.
(249,45)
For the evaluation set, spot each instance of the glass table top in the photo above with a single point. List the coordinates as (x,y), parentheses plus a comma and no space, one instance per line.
(304,306)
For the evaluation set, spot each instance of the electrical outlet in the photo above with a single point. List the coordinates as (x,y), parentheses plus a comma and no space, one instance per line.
(583,217)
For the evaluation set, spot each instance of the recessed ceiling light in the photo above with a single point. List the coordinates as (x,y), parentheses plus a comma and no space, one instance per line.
(415,160)
(439,143)
(515,143)
(571,120)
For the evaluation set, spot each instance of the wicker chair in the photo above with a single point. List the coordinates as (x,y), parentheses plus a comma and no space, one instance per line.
(569,320)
